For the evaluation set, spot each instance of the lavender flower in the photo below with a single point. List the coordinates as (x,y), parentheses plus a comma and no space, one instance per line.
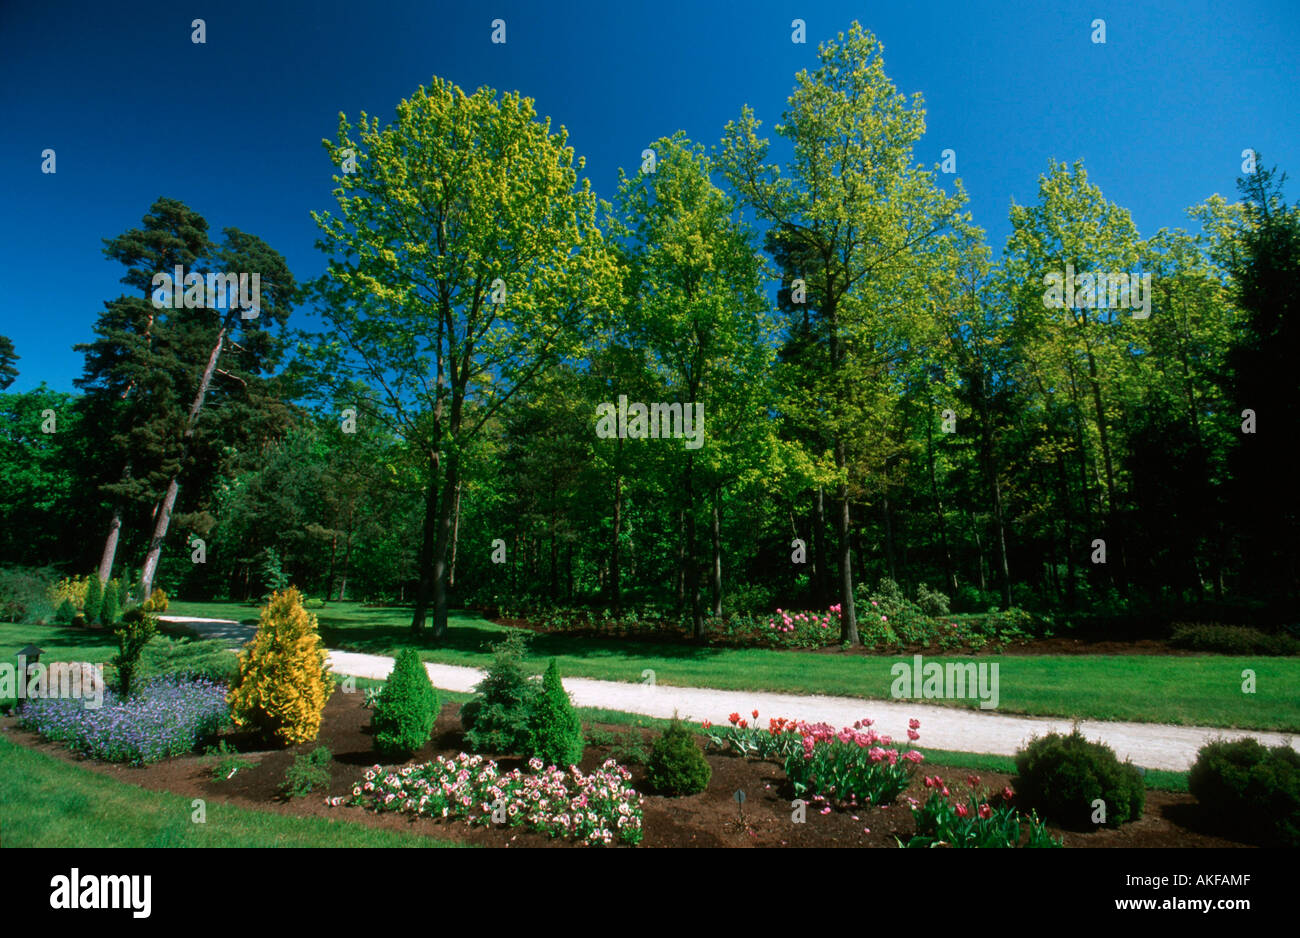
(166,717)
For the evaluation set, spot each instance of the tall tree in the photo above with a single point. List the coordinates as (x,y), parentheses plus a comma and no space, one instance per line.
(8,373)
(1262,374)
(248,332)
(693,304)
(862,213)
(465,259)
(130,396)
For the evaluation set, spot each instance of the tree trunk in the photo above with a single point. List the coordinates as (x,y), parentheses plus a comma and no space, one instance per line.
(821,559)
(950,574)
(848,614)
(692,568)
(424,564)
(455,538)
(164,516)
(110,544)
(615,555)
(717,559)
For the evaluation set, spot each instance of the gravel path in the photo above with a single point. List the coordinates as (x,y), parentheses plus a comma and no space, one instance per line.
(1152,745)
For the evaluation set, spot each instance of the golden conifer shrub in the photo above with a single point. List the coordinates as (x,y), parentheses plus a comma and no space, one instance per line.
(283,679)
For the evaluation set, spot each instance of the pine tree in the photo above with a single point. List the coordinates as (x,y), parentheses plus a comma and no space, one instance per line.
(7,358)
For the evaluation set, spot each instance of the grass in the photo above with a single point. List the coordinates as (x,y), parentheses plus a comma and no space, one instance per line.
(1188,690)
(48,803)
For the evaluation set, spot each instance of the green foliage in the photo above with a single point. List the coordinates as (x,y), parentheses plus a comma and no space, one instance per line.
(931,602)
(1250,790)
(226,762)
(273,576)
(499,717)
(977,821)
(111,610)
(187,659)
(677,766)
(1061,776)
(406,708)
(847,773)
(308,772)
(94,600)
(557,731)
(25,594)
(66,612)
(133,634)
(1231,639)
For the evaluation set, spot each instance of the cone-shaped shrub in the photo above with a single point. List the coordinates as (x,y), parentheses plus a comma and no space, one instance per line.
(283,680)
(94,599)
(65,613)
(133,633)
(677,767)
(111,610)
(406,709)
(557,731)
(498,718)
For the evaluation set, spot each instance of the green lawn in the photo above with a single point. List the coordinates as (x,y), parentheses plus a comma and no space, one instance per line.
(48,803)
(1191,690)
(1202,690)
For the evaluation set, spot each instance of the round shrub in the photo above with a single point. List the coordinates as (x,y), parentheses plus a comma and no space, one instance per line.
(1250,789)
(557,731)
(406,708)
(1061,776)
(677,766)
(157,601)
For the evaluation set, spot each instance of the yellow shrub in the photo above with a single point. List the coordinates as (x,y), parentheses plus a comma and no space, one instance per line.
(157,601)
(73,588)
(283,680)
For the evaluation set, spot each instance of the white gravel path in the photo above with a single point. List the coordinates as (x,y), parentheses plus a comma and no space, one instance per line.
(1152,745)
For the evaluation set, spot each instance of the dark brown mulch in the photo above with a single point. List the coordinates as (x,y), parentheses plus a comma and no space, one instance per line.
(711,818)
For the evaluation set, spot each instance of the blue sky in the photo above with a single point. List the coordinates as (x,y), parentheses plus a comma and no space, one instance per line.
(135,110)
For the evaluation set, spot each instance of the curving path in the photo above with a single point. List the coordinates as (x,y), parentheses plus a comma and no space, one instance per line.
(1151,745)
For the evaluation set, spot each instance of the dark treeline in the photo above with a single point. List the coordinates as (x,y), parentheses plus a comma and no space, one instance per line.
(1093,423)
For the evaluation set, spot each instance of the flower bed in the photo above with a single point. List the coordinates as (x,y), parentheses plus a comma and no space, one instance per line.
(981,820)
(894,630)
(166,717)
(853,766)
(598,809)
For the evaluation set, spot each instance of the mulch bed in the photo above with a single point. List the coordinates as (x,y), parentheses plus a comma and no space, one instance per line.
(708,819)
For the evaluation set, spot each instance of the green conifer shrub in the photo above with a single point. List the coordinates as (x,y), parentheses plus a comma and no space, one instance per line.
(557,731)
(677,766)
(406,708)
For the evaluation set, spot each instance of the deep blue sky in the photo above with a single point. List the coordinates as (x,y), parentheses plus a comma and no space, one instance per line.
(134,110)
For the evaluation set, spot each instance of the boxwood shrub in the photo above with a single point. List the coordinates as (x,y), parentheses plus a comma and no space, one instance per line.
(677,766)
(1062,776)
(1250,790)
